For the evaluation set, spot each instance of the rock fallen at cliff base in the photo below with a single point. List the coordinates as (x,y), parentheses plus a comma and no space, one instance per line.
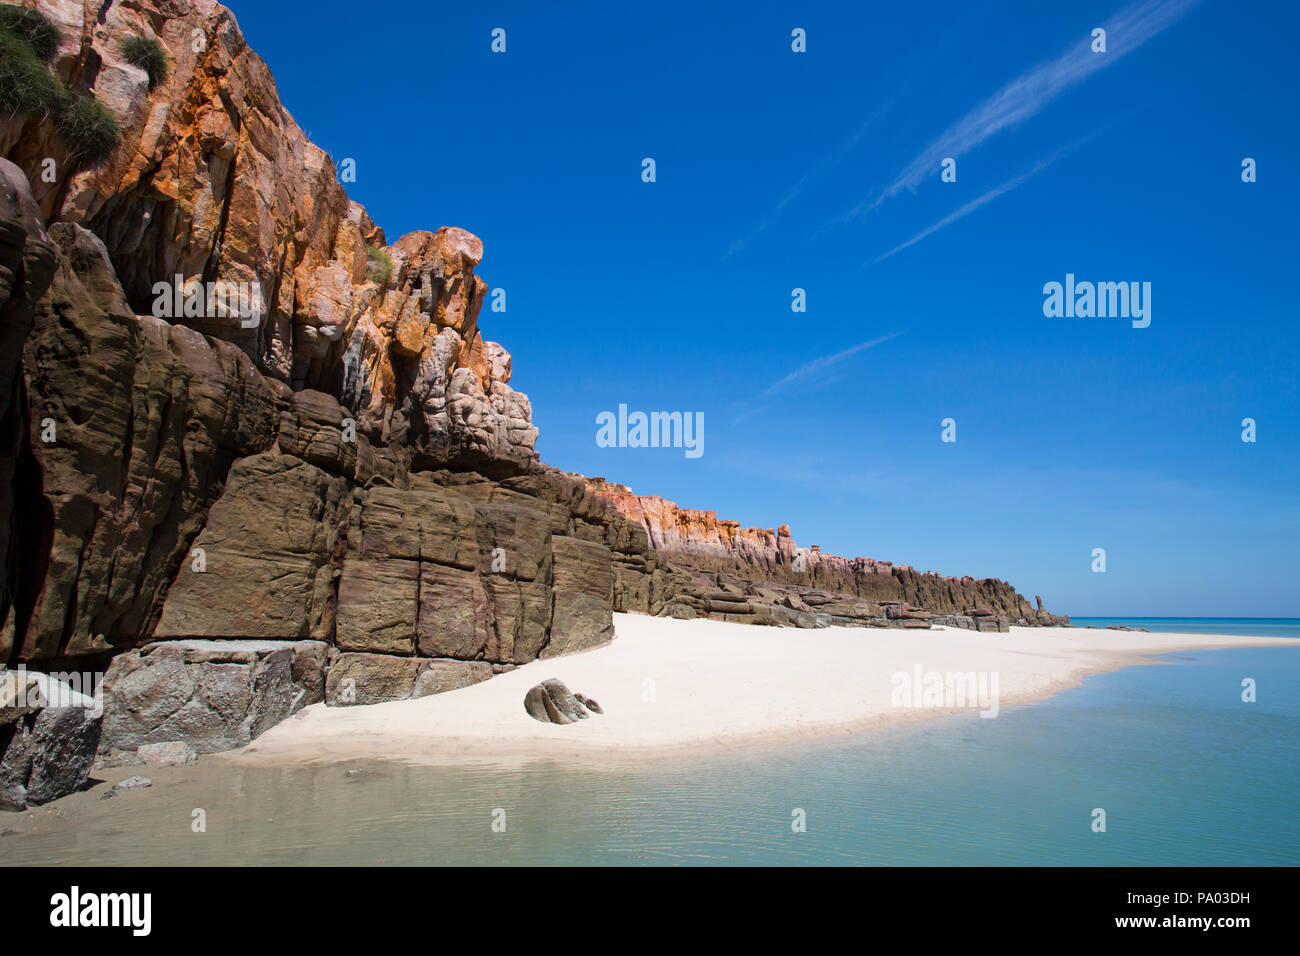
(551,702)
(213,695)
(47,753)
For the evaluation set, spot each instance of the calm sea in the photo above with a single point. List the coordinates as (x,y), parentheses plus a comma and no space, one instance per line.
(1238,626)
(1186,772)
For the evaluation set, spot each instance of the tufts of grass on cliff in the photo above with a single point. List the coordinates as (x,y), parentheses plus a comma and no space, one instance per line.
(379,265)
(90,131)
(32,29)
(27,87)
(148,54)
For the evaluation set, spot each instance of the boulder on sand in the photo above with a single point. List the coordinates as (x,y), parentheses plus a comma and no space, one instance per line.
(552,702)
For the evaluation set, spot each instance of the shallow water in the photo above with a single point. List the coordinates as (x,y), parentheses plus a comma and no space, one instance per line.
(1186,772)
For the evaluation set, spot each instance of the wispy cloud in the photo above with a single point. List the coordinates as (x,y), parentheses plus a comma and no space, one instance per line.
(823,368)
(986,198)
(1030,93)
(824,363)
(828,163)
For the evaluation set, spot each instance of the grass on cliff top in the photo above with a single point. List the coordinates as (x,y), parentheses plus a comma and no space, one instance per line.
(28,87)
(34,30)
(379,265)
(148,54)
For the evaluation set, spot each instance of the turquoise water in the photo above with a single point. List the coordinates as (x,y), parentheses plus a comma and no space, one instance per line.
(1186,772)
(1238,626)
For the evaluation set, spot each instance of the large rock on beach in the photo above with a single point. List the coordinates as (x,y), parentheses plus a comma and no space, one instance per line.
(552,702)
(212,695)
(47,752)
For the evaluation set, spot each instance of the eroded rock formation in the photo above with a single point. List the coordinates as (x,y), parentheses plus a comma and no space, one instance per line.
(762,576)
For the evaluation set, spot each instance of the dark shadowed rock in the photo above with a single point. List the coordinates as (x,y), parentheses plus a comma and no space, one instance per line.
(27,263)
(47,755)
(64,741)
(267,548)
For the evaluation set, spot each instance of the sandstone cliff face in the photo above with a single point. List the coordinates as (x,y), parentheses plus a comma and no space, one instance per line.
(180,493)
(27,261)
(214,182)
(340,501)
(163,488)
(728,554)
(199,475)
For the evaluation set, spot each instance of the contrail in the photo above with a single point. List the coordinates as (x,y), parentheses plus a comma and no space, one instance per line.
(988,197)
(825,362)
(1028,94)
(956,30)
(812,175)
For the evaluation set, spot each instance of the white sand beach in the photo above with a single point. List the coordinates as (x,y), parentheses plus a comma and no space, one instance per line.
(670,686)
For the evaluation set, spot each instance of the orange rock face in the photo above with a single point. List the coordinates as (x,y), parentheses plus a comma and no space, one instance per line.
(214,181)
(755,557)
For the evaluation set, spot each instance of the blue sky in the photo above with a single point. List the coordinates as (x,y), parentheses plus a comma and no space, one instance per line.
(778,170)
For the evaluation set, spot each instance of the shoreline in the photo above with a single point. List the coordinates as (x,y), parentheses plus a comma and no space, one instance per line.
(674,688)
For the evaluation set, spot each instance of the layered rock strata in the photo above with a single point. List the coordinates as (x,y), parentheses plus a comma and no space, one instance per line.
(762,576)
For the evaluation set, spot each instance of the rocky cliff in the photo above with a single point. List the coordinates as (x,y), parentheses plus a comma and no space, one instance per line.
(761,574)
(332,494)
(213,181)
